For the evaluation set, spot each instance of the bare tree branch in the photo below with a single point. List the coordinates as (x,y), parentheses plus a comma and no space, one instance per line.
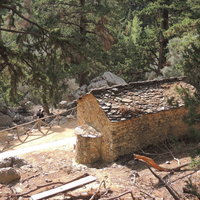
(16,31)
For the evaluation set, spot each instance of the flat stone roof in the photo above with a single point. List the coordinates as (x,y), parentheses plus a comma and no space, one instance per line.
(123,102)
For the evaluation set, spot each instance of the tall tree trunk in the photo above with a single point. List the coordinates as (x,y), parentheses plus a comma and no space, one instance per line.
(164,15)
(82,76)
(45,104)
(82,19)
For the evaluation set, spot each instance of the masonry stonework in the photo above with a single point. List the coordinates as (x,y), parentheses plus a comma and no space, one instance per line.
(124,133)
(89,112)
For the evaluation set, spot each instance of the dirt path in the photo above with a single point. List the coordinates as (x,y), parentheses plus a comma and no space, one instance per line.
(61,137)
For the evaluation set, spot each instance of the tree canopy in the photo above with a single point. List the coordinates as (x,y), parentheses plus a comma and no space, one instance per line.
(45,42)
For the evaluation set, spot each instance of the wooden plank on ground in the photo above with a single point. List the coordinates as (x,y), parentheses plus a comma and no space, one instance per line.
(64,188)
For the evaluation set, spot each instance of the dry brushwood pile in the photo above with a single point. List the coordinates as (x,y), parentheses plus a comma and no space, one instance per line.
(162,172)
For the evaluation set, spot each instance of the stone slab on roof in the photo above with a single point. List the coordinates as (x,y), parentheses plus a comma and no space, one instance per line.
(123,102)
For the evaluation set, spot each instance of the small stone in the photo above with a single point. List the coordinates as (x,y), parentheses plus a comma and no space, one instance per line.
(161,108)
(131,162)
(115,106)
(18,189)
(114,89)
(108,104)
(114,165)
(113,111)
(118,98)
(125,100)
(105,107)
(48,180)
(149,111)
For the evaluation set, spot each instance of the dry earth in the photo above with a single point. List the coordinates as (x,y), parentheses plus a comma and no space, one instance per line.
(51,160)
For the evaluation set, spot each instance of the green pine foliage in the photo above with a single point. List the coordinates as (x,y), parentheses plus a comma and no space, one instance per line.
(45,42)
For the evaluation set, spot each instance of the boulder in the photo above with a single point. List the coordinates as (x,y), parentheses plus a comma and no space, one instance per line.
(98,84)
(106,80)
(8,175)
(5,120)
(113,79)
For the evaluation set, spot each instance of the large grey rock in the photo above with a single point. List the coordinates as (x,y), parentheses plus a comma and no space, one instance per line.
(106,80)
(5,120)
(113,79)
(8,175)
(96,79)
(99,84)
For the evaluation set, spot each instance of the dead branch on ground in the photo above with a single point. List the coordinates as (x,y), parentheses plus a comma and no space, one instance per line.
(27,179)
(172,154)
(185,176)
(174,194)
(120,195)
(144,192)
(98,191)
